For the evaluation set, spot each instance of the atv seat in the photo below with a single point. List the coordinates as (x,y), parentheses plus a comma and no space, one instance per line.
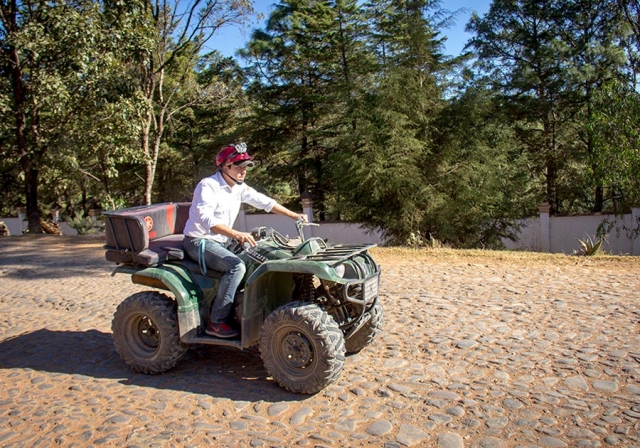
(147,235)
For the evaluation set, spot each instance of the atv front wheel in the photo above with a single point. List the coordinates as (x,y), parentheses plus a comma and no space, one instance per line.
(365,335)
(302,347)
(146,334)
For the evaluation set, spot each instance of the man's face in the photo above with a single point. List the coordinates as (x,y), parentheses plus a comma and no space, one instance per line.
(236,172)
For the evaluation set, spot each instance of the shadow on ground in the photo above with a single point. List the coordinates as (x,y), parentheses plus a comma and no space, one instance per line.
(216,371)
(52,256)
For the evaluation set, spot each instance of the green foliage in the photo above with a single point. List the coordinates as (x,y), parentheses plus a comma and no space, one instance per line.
(167,75)
(482,181)
(353,102)
(69,110)
(589,247)
(614,130)
(549,60)
(305,69)
(84,224)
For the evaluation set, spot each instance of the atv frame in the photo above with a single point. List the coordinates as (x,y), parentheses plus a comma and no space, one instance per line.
(303,302)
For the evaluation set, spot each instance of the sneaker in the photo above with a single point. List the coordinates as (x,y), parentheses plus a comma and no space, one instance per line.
(221,331)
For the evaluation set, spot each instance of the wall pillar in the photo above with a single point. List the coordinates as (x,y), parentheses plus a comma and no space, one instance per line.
(22,215)
(307,209)
(545,227)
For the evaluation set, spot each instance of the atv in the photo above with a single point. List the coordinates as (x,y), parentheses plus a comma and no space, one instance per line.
(303,302)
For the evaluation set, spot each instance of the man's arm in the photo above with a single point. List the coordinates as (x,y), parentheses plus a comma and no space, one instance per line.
(281,210)
(243,237)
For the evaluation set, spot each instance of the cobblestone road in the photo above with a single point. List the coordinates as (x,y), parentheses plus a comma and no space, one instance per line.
(476,352)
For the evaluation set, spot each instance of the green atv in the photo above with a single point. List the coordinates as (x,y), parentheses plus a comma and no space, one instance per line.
(303,302)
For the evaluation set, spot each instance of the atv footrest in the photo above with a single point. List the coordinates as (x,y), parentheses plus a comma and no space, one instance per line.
(211,340)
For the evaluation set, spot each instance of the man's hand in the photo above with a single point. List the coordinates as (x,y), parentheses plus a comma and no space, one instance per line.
(243,237)
(240,237)
(281,210)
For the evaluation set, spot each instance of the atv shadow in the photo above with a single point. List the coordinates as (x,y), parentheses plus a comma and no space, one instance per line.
(216,371)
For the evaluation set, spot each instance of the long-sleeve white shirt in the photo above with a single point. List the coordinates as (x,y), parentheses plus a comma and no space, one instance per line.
(215,202)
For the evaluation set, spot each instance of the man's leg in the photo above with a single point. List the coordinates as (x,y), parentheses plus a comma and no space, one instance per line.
(220,259)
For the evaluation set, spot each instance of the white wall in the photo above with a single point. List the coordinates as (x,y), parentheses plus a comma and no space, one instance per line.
(528,238)
(564,231)
(561,232)
(17,225)
(332,232)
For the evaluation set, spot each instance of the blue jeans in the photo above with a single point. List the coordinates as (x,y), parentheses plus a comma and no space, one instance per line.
(220,259)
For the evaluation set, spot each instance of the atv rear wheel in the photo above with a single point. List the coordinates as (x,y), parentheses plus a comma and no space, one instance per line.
(365,335)
(302,347)
(146,334)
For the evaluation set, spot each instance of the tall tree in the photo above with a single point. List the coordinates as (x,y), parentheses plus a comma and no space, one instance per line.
(482,184)
(629,31)
(198,131)
(166,81)
(516,45)
(388,158)
(304,65)
(549,59)
(57,57)
(589,47)
(614,129)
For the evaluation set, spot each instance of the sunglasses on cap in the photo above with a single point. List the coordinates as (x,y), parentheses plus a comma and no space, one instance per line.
(244,163)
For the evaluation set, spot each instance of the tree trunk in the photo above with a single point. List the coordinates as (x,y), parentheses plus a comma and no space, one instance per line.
(598,206)
(152,162)
(31,175)
(26,158)
(551,174)
(144,143)
(152,150)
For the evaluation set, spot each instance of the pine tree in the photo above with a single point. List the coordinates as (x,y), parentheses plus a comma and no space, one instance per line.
(589,47)
(516,46)
(387,174)
(303,67)
(548,59)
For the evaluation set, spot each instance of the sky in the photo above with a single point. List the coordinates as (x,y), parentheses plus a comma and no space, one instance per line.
(231,39)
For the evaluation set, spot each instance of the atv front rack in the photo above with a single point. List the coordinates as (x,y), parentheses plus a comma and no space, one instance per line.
(336,254)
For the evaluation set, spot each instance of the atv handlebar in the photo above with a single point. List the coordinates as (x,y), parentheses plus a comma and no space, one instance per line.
(300,224)
(260,233)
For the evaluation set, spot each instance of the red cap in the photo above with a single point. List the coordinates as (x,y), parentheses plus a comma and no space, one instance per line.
(234,153)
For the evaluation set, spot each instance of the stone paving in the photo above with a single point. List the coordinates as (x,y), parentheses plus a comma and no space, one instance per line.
(475,352)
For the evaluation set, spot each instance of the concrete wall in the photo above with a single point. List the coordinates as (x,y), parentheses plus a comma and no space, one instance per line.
(560,234)
(544,233)
(17,225)
(332,232)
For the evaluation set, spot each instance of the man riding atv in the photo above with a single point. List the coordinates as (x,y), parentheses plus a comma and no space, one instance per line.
(214,209)
(305,303)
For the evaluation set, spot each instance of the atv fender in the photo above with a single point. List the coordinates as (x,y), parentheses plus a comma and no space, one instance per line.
(188,294)
(271,286)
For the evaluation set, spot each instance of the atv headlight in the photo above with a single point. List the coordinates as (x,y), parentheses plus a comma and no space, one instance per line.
(339,270)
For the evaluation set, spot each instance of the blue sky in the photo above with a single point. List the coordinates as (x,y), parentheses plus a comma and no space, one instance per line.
(230,39)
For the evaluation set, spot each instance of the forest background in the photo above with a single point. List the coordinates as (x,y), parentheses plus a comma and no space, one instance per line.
(116,103)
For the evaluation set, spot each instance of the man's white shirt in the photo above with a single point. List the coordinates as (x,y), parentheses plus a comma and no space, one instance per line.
(215,202)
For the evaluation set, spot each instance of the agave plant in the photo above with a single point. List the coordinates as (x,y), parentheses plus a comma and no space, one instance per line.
(85,225)
(589,247)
